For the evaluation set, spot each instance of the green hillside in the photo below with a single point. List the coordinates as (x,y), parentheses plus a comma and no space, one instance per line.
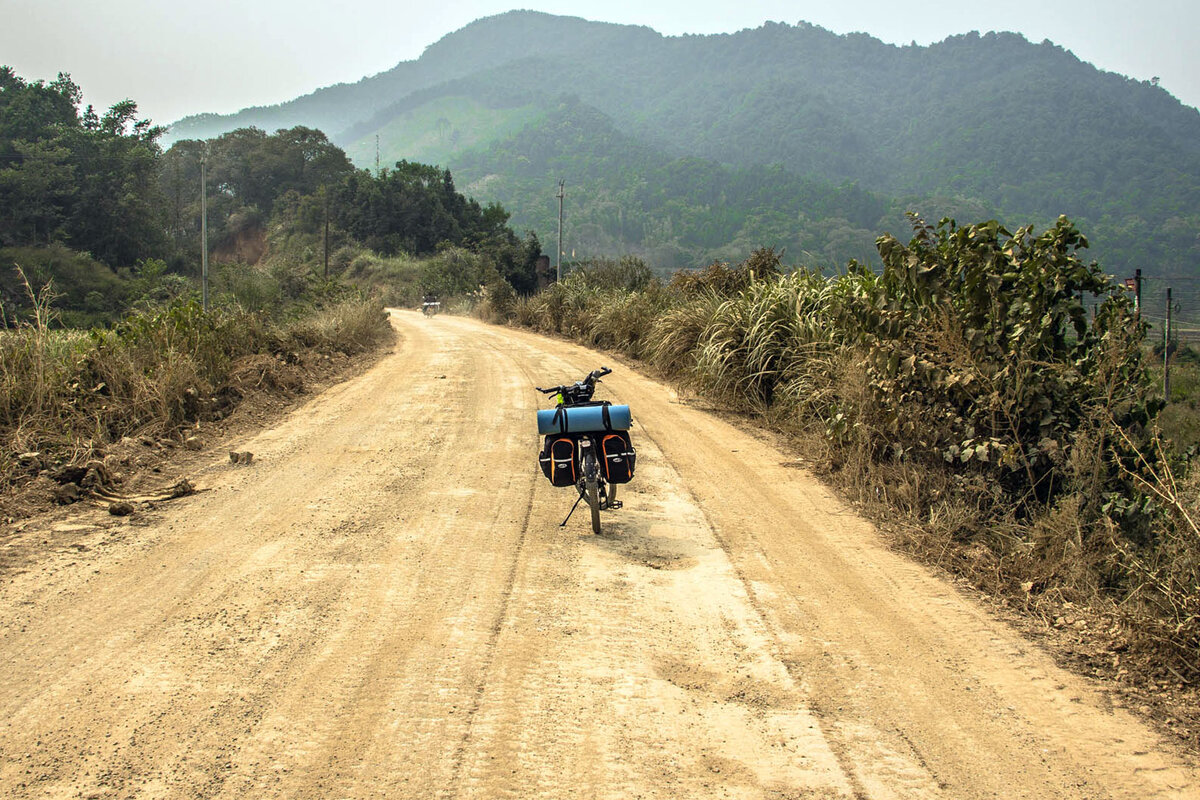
(624,196)
(1023,131)
(435,132)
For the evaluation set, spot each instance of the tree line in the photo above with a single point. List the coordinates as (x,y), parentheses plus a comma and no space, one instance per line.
(102,187)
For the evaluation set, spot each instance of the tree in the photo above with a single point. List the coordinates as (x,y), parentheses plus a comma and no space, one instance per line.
(35,193)
(117,216)
(83,178)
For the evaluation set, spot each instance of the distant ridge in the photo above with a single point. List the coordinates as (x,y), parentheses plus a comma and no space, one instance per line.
(483,44)
(988,121)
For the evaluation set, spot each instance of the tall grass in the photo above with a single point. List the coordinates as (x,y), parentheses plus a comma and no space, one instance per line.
(778,333)
(66,393)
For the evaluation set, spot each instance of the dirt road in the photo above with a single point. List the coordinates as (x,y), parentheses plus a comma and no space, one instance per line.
(383,605)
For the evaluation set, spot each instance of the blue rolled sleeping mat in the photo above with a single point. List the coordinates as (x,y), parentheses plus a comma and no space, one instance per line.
(583,419)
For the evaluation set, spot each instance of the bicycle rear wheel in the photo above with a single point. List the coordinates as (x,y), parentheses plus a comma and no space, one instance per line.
(593,497)
(591,487)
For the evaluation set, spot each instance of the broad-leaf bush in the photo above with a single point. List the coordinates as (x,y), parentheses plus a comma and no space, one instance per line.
(981,353)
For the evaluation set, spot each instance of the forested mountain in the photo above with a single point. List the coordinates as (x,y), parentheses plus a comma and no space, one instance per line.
(1019,130)
(625,196)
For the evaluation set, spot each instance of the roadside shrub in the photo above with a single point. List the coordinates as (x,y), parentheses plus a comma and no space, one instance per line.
(624,320)
(676,332)
(497,302)
(249,286)
(627,274)
(721,278)
(88,290)
(980,354)
(766,336)
(64,393)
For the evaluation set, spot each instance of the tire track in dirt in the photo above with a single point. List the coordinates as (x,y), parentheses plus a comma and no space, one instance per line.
(410,678)
(837,746)
(498,622)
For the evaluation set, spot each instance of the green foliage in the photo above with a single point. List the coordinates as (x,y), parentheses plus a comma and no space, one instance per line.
(455,271)
(629,273)
(412,208)
(86,291)
(974,127)
(396,280)
(88,178)
(433,133)
(671,212)
(722,279)
(249,173)
(252,288)
(182,329)
(979,351)
(101,184)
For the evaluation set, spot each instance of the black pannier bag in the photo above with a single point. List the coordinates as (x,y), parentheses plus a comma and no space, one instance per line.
(617,457)
(560,460)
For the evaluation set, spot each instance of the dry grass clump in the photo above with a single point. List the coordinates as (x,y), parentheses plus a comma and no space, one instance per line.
(676,332)
(64,394)
(350,327)
(777,333)
(624,320)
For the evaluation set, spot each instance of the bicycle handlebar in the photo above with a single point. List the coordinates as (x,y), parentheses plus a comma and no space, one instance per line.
(590,380)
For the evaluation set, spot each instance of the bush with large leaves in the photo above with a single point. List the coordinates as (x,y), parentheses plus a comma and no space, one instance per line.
(982,352)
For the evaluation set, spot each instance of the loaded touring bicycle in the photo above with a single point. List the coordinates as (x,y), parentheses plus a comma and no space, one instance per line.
(586,444)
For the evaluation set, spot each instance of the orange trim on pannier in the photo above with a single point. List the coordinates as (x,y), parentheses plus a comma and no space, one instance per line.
(617,457)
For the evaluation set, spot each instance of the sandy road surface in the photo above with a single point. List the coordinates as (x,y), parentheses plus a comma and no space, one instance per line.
(383,605)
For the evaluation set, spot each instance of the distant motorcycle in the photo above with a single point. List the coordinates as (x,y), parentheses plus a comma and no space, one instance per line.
(430,307)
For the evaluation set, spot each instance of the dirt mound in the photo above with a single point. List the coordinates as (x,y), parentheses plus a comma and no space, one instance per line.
(247,246)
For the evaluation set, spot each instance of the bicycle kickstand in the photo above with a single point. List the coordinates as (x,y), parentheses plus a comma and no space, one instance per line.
(563,524)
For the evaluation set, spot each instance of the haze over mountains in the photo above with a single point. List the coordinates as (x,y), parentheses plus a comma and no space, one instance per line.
(683,149)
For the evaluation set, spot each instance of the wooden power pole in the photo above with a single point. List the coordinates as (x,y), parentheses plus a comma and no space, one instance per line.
(558,261)
(1167,352)
(204,231)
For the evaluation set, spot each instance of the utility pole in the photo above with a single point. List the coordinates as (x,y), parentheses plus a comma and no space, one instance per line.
(377,155)
(1167,352)
(204,229)
(325,195)
(1137,292)
(558,261)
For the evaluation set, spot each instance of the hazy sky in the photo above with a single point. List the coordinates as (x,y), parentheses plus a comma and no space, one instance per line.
(177,58)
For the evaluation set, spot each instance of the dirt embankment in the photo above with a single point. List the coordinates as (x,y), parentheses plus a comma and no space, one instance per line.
(381,603)
(259,389)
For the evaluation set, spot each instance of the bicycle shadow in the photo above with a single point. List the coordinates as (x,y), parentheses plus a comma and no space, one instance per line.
(646,543)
